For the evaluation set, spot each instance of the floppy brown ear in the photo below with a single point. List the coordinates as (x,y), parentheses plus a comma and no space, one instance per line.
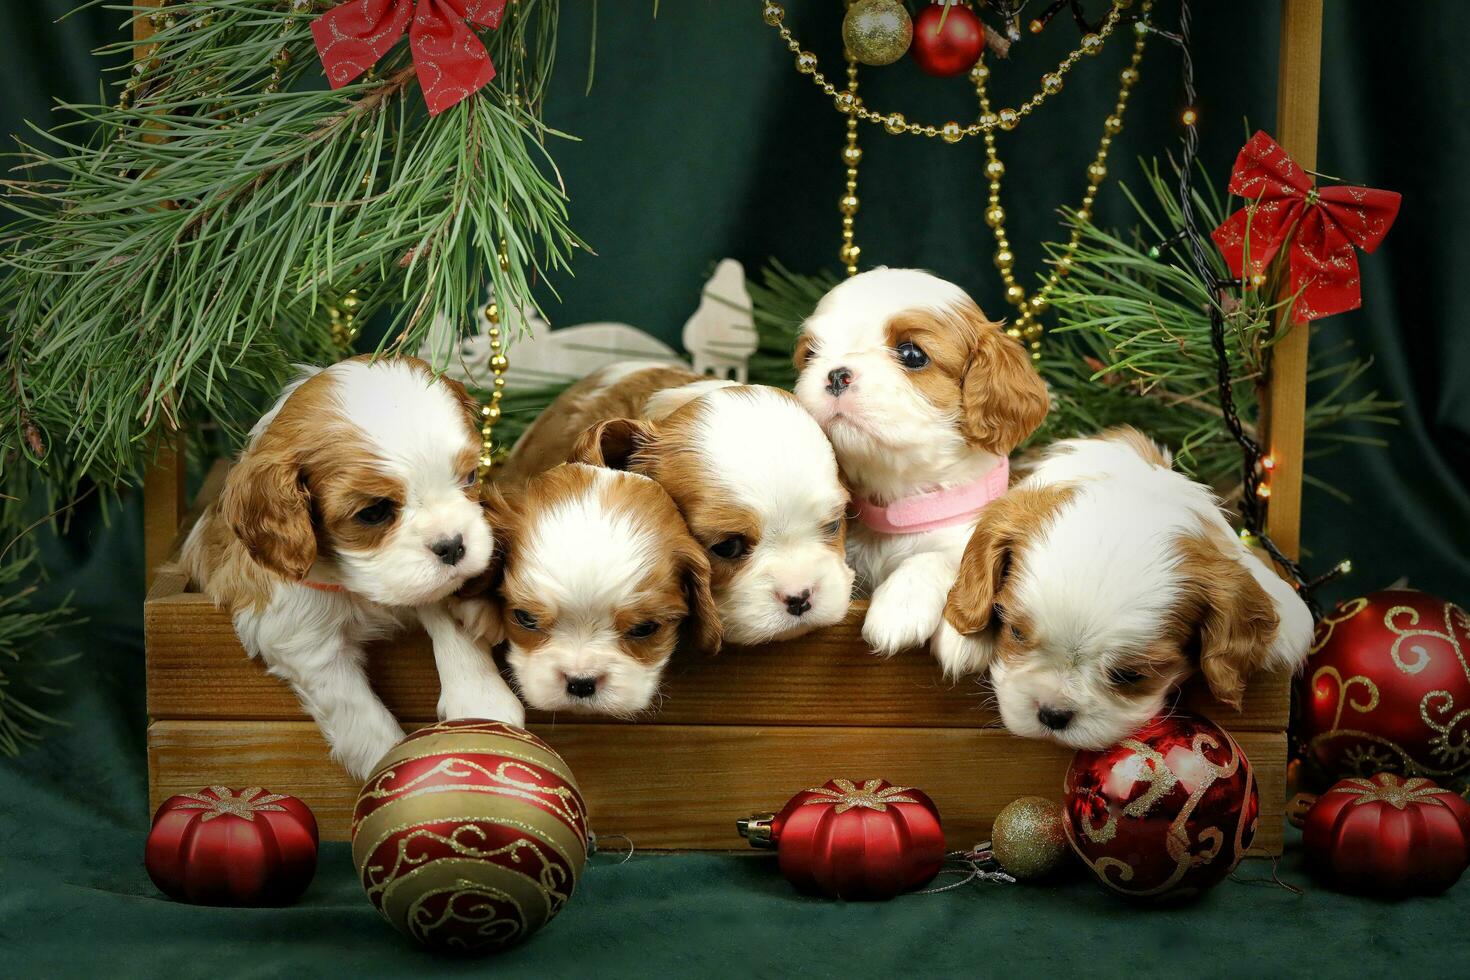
(1003,397)
(703,630)
(981,576)
(268,507)
(1237,621)
(802,351)
(613,443)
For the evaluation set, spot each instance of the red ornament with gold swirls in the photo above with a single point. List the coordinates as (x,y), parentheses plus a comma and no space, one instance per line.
(1388,836)
(221,846)
(1169,811)
(470,835)
(1387,688)
(847,840)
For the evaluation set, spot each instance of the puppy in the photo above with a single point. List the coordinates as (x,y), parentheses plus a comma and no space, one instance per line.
(750,471)
(1104,579)
(353,511)
(597,579)
(923,398)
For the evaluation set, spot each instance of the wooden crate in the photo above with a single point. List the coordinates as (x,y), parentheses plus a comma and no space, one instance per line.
(737,733)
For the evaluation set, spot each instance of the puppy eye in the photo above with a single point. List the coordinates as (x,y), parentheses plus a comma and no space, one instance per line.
(1016,634)
(811,352)
(643,630)
(470,478)
(524,619)
(377,512)
(730,548)
(1124,676)
(911,355)
(832,530)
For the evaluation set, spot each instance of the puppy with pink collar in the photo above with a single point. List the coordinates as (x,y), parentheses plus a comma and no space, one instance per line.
(923,399)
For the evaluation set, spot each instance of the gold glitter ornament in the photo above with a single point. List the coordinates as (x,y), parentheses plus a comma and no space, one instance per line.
(1028,839)
(877,32)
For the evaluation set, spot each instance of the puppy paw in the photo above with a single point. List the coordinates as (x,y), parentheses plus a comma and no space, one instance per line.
(496,705)
(361,749)
(890,628)
(903,614)
(958,654)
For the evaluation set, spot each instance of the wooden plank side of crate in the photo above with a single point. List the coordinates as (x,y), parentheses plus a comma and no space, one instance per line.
(678,787)
(196,669)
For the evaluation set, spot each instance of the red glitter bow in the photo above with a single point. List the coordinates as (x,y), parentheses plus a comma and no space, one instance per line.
(451,61)
(1320,227)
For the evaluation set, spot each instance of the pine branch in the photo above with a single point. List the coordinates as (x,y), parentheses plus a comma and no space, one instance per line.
(21,630)
(169,257)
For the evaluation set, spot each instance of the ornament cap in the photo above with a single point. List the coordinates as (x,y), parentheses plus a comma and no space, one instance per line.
(758,829)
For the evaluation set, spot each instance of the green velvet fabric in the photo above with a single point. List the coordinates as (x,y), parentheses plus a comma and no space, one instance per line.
(699,141)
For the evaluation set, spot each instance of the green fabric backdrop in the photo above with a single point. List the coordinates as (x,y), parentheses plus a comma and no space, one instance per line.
(698,141)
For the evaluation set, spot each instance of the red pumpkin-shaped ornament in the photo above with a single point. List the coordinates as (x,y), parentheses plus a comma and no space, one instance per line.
(226,847)
(947,42)
(1169,811)
(1388,836)
(1388,687)
(850,841)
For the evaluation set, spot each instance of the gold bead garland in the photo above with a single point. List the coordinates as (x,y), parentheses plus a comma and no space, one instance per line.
(848,103)
(1026,326)
(852,155)
(490,411)
(343,317)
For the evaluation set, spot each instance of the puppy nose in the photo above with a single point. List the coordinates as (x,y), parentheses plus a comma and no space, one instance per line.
(838,380)
(1054,718)
(449,550)
(798,603)
(582,687)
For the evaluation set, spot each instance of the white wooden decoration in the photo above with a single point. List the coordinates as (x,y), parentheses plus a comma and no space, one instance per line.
(720,336)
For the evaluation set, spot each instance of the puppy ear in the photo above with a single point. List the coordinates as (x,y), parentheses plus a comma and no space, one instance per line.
(1003,398)
(613,443)
(802,351)
(703,630)
(1237,620)
(981,576)
(267,505)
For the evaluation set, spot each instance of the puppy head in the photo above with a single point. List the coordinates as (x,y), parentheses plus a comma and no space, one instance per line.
(601,578)
(1093,611)
(907,377)
(758,485)
(369,466)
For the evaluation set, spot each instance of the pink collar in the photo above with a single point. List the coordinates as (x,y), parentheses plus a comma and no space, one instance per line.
(938,508)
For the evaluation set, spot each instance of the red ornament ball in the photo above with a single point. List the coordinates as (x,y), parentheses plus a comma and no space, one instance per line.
(846,840)
(1387,688)
(232,847)
(950,48)
(470,835)
(1388,836)
(1169,811)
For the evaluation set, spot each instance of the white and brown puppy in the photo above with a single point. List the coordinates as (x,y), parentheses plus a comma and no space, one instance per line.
(353,511)
(923,399)
(1105,578)
(597,578)
(750,471)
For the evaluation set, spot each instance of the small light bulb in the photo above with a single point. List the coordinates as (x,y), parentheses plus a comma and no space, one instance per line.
(1345,566)
(1036,26)
(1190,116)
(1268,463)
(1263,490)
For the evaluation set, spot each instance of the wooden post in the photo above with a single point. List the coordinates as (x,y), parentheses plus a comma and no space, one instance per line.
(1298,80)
(163,485)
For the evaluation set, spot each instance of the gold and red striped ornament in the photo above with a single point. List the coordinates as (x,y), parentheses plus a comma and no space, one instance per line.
(470,835)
